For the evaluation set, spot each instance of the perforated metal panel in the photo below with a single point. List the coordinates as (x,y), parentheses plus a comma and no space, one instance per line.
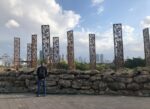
(118,46)
(56,58)
(16,52)
(70,50)
(29,55)
(45,41)
(146,46)
(34,51)
(92,51)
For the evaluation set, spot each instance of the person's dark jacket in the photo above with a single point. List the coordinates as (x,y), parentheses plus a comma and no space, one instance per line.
(42,72)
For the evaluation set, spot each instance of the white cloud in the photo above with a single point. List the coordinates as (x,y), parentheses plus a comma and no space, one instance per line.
(100,10)
(128,32)
(15,6)
(131,9)
(133,42)
(98,4)
(31,15)
(42,12)
(145,22)
(12,24)
(128,29)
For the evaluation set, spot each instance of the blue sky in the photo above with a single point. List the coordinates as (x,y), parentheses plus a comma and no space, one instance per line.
(22,18)
(124,11)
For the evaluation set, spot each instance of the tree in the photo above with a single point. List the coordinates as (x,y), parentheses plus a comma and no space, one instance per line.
(82,66)
(62,65)
(135,62)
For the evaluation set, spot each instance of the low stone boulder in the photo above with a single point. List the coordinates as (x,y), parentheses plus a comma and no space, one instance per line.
(142,78)
(116,86)
(52,77)
(67,76)
(102,86)
(76,84)
(123,79)
(147,86)
(51,83)
(64,83)
(96,77)
(133,86)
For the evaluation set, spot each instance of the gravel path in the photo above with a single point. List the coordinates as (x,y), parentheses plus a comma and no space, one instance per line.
(29,101)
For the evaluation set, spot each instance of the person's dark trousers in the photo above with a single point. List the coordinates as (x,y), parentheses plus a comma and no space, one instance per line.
(41,82)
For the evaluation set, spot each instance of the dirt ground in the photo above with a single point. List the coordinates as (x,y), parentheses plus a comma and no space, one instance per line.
(29,101)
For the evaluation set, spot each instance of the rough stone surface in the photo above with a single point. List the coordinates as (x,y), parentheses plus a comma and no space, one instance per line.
(64,83)
(133,86)
(142,78)
(116,86)
(132,82)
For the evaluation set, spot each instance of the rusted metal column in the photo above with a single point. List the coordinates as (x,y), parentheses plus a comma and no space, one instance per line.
(146,46)
(50,59)
(51,55)
(70,50)
(16,53)
(118,46)
(46,42)
(29,55)
(34,51)
(56,58)
(92,51)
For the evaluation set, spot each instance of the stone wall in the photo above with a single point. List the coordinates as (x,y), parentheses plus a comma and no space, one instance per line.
(128,82)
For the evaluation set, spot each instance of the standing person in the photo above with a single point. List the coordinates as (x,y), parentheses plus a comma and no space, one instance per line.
(41,74)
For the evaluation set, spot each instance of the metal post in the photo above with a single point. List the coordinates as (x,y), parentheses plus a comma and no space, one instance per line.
(70,50)
(56,58)
(118,46)
(45,42)
(29,55)
(16,53)
(92,51)
(34,51)
(146,46)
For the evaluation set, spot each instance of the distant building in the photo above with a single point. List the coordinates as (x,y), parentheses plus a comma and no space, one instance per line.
(101,58)
(97,58)
(1,63)
(80,59)
(107,61)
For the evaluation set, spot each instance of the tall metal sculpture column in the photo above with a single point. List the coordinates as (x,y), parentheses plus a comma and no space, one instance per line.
(16,53)
(92,51)
(45,42)
(34,51)
(118,46)
(146,46)
(70,50)
(29,55)
(56,58)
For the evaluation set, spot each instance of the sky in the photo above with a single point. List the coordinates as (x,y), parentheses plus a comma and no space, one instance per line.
(22,18)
